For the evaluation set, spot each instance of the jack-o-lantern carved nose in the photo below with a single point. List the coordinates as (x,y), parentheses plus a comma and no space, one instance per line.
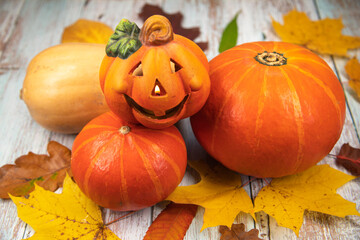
(158,89)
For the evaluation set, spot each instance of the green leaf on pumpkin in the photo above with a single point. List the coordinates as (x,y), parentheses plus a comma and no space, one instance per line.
(124,41)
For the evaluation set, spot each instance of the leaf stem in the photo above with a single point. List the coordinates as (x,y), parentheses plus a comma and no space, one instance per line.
(117,219)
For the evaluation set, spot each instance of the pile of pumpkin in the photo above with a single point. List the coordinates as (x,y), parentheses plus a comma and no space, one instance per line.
(265,109)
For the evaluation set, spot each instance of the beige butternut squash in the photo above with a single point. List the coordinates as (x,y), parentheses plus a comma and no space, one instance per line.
(61,87)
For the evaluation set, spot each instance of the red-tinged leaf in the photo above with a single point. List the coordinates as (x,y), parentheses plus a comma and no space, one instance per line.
(172,223)
(349,158)
(175,19)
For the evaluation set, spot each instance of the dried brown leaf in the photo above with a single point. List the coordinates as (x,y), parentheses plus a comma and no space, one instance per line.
(47,171)
(349,158)
(175,19)
(237,232)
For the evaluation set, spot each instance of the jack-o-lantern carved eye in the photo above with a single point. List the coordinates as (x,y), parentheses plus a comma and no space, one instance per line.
(137,70)
(175,67)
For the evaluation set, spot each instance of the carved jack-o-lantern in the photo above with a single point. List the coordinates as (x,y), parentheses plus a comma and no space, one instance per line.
(153,76)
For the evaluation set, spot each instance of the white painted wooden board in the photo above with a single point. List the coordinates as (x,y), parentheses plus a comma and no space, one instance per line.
(30,26)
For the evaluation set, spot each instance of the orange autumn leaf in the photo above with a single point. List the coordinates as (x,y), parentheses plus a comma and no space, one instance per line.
(87,31)
(323,36)
(352,69)
(172,223)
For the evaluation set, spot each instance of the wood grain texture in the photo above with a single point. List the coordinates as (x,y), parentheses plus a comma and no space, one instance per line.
(30,26)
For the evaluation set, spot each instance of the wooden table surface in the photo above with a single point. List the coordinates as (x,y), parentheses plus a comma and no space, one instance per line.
(30,26)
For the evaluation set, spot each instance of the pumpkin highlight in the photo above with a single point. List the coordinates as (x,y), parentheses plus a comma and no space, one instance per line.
(163,81)
(126,167)
(274,109)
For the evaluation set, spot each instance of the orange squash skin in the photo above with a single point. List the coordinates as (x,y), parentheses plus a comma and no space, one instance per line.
(128,171)
(270,121)
(192,80)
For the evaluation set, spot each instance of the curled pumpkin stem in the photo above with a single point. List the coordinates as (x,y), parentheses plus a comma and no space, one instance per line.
(157,30)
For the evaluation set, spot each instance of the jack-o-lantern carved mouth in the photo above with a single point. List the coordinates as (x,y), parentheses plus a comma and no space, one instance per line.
(149,113)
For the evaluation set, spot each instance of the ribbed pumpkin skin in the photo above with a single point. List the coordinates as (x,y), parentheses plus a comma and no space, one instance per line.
(131,171)
(270,121)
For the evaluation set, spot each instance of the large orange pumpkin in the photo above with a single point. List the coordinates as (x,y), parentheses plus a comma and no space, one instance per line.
(126,167)
(274,109)
(156,79)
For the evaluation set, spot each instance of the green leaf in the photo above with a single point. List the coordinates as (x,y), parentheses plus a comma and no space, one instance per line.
(125,41)
(229,36)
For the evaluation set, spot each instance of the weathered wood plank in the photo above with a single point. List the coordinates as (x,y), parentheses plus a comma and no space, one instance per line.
(348,11)
(9,11)
(40,24)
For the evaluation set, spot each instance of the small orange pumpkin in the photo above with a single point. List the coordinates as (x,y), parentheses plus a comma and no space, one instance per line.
(157,79)
(126,167)
(274,109)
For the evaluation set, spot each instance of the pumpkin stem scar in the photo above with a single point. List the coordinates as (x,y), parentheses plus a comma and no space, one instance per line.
(271,59)
(124,130)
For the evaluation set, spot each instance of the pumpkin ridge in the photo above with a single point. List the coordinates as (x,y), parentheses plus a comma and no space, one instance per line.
(94,161)
(309,60)
(255,43)
(326,89)
(295,50)
(228,95)
(166,157)
(241,49)
(123,188)
(298,119)
(261,104)
(178,139)
(75,151)
(150,170)
(227,63)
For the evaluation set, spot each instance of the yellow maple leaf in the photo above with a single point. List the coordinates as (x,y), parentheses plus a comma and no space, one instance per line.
(87,31)
(352,69)
(323,36)
(286,198)
(69,215)
(220,192)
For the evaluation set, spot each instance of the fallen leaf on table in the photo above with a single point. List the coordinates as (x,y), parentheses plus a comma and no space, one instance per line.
(352,69)
(87,31)
(172,223)
(175,19)
(220,192)
(323,36)
(237,232)
(47,171)
(69,215)
(349,158)
(287,198)
(229,35)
